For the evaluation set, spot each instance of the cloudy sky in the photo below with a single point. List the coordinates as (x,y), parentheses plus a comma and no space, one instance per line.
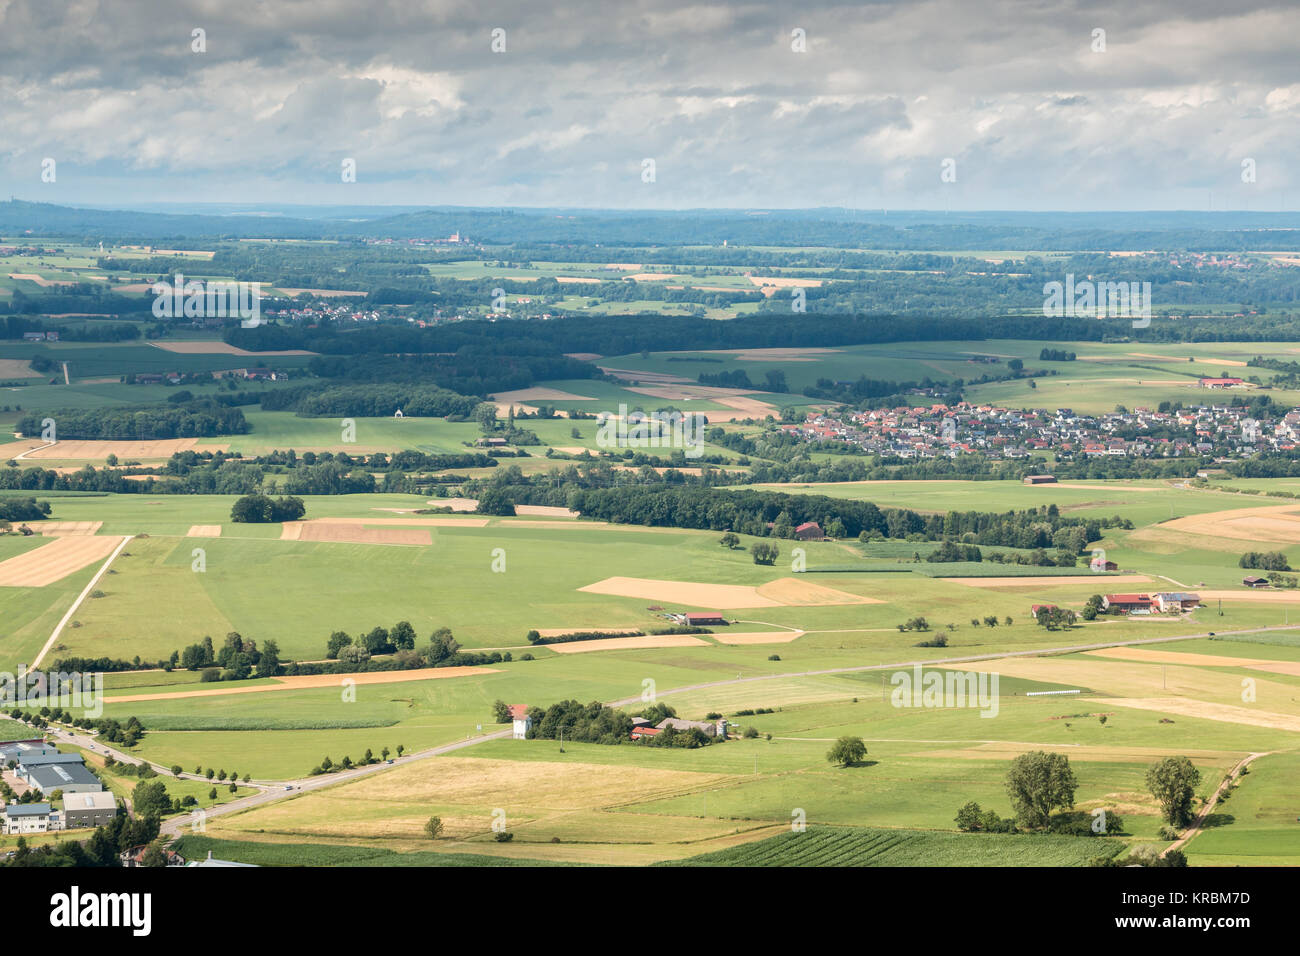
(1019,96)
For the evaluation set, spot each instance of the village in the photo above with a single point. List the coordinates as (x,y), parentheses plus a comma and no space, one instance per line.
(1223,431)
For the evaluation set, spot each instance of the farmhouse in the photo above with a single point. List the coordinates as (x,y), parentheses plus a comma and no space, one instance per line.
(1252,581)
(1220,382)
(1040,479)
(522,722)
(707,727)
(810,531)
(1035,608)
(1177,601)
(639,732)
(703,618)
(1127,603)
(491,442)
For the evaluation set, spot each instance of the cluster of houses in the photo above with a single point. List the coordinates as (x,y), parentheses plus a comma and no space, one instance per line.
(36,765)
(50,336)
(641,727)
(939,430)
(1165,602)
(1171,602)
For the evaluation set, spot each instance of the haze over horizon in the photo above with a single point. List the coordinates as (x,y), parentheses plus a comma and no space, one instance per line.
(1023,100)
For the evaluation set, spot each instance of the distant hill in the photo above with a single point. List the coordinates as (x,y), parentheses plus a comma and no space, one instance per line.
(869,229)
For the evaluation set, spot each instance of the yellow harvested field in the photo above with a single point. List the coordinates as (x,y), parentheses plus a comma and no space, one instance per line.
(1227,713)
(1109,580)
(306,681)
(17,368)
(715,596)
(1006,750)
(357,534)
(56,560)
(577,280)
(204,531)
(653,276)
(1252,596)
(785,592)
(784,282)
(60,528)
(585,629)
(466,789)
(291,531)
(100,450)
(627,643)
(40,280)
(1275,523)
(469,504)
(219,348)
(742,407)
(756,637)
(539,394)
(582,356)
(1123,680)
(795,592)
(1198,660)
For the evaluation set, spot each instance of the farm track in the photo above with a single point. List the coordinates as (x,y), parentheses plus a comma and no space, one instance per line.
(1199,823)
(275,791)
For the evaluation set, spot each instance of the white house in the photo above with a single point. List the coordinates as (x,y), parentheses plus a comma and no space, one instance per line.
(523,723)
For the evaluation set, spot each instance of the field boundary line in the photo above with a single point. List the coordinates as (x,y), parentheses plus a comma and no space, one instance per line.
(77,603)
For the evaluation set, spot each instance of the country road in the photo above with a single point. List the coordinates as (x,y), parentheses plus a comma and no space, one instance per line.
(272,791)
(1198,824)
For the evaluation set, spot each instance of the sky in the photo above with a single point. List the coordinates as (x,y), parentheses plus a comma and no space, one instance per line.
(996,104)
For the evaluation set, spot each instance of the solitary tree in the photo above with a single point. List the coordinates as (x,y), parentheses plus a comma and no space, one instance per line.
(433,828)
(1038,783)
(968,817)
(1172,782)
(847,751)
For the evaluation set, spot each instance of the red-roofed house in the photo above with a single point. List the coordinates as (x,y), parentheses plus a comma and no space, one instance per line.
(1127,603)
(523,723)
(809,531)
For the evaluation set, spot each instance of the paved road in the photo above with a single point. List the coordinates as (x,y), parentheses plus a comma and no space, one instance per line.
(93,743)
(177,825)
(271,792)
